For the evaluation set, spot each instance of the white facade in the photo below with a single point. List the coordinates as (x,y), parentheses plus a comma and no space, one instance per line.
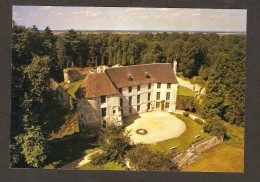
(135,99)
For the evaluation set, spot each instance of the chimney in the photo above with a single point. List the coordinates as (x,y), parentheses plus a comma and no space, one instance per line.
(175,67)
(66,75)
(99,70)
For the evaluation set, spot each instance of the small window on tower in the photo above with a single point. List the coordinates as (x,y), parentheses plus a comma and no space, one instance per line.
(104,112)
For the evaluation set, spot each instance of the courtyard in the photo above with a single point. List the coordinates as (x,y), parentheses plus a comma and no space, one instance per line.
(154,127)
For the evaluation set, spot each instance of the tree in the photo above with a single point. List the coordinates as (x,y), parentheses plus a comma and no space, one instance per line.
(142,158)
(33,146)
(215,126)
(114,144)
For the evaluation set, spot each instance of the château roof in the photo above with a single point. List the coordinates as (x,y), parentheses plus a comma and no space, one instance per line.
(96,85)
(141,74)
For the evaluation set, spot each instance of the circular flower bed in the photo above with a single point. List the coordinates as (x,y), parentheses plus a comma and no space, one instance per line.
(141,131)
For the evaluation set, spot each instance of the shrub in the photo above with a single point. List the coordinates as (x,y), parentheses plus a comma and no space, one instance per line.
(142,158)
(186,114)
(99,158)
(199,121)
(162,105)
(215,126)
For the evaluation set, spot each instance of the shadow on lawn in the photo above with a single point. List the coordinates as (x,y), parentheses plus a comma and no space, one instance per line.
(68,149)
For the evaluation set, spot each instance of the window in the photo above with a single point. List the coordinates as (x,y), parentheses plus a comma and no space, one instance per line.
(157,104)
(82,125)
(130,78)
(168,85)
(121,102)
(81,115)
(168,95)
(138,108)
(138,88)
(149,96)
(130,101)
(114,110)
(103,99)
(104,112)
(148,106)
(158,95)
(167,105)
(147,76)
(120,90)
(158,85)
(138,99)
(129,89)
(104,124)
(149,86)
(130,109)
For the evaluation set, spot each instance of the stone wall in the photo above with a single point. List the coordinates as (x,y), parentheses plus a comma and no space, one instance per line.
(192,154)
(89,115)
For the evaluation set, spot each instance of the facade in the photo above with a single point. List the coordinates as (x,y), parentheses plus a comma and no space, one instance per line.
(107,96)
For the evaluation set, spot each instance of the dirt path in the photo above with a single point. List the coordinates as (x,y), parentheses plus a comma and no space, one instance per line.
(79,162)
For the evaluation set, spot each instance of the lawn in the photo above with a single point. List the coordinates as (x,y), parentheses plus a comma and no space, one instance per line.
(186,91)
(221,158)
(73,87)
(68,128)
(187,138)
(107,166)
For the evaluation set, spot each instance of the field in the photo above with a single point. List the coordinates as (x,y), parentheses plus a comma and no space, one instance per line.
(226,157)
(221,158)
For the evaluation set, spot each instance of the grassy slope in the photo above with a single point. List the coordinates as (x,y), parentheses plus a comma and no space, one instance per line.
(226,157)
(68,128)
(187,138)
(221,158)
(185,91)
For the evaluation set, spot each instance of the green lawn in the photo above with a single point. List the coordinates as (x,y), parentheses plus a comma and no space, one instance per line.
(185,91)
(107,166)
(187,138)
(73,87)
(221,158)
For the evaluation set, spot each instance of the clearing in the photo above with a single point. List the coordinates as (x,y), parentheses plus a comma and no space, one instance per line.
(221,158)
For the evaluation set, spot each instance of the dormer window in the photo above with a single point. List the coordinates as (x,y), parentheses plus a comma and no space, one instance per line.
(147,76)
(129,77)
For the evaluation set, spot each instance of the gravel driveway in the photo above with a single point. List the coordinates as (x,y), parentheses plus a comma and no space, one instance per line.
(160,126)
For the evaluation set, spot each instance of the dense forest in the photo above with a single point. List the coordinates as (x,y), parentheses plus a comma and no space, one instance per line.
(39,55)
